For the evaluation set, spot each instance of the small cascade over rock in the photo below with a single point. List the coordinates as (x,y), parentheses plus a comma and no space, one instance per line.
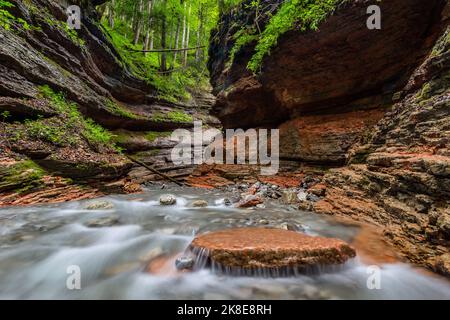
(267,252)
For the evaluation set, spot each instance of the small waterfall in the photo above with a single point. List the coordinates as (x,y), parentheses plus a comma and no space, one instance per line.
(202,260)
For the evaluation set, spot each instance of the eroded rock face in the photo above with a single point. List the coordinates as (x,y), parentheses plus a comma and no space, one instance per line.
(399,177)
(314,81)
(325,138)
(85,67)
(252,248)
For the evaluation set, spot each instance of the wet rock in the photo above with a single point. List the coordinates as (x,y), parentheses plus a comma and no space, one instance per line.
(289,226)
(167,200)
(100,205)
(200,203)
(302,196)
(102,222)
(442,264)
(184,263)
(152,254)
(289,197)
(227,202)
(443,223)
(121,268)
(163,265)
(312,197)
(251,248)
(250,201)
(318,190)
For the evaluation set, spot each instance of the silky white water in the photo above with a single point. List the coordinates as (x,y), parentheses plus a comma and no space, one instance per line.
(39,243)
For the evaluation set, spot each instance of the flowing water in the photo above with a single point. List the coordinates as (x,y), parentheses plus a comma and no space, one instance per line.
(134,258)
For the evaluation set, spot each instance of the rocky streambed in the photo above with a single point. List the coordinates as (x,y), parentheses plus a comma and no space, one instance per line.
(129,247)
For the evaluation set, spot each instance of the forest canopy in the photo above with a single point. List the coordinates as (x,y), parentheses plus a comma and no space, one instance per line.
(178,30)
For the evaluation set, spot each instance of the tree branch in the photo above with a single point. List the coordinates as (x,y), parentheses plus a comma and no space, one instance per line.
(166,50)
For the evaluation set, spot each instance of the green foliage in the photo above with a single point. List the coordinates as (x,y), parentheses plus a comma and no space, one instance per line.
(153,135)
(179,116)
(91,131)
(301,15)
(64,28)
(22,176)
(242,38)
(118,110)
(7,19)
(174,81)
(5,115)
(173,116)
(46,130)
(96,134)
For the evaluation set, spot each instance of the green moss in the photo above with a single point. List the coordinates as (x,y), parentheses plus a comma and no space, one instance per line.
(120,137)
(302,15)
(242,38)
(7,19)
(48,18)
(171,86)
(48,130)
(153,135)
(94,133)
(425,93)
(179,116)
(172,116)
(145,154)
(21,176)
(118,110)
(65,72)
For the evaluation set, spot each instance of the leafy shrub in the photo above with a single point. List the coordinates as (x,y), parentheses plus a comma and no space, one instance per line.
(6,18)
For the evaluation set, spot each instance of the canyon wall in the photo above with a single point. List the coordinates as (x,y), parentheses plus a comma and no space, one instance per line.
(61,88)
(373,103)
(342,68)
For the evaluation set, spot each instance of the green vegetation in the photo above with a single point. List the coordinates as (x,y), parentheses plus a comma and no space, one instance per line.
(7,19)
(176,34)
(172,116)
(63,27)
(153,135)
(5,115)
(118,110)
(21,176)
(48,130)
(302,15)
(51,130)
(96,134)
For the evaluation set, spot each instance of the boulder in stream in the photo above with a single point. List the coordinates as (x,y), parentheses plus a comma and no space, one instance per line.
(200,203)
(100,205)
(102,222)
(167,200)
(250,201)
(274,249)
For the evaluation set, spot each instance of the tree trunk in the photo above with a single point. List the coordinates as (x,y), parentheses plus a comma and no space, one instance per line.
(199,33)
(163,43)
(183,37)
(149,26)
(111,14)
(138,22)
(188,33)
(177,40)
(152,39)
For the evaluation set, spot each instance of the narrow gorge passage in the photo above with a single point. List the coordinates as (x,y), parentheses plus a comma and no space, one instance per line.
(101,111)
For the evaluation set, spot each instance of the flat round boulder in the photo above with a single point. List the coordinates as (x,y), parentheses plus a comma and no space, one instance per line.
(260,248)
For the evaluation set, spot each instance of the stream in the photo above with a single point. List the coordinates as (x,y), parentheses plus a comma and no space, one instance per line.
(39,243)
